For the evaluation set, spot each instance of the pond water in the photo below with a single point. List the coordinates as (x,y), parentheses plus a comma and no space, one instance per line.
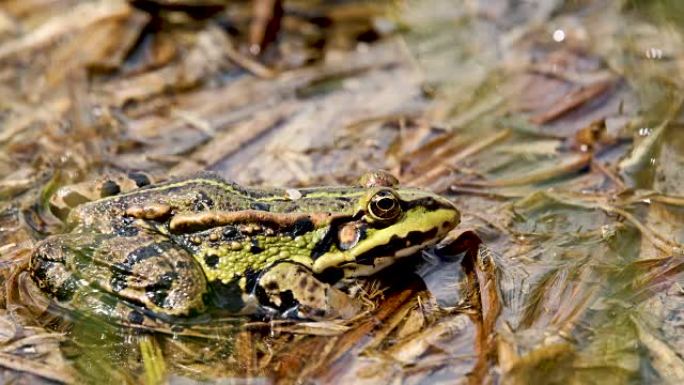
(554,126)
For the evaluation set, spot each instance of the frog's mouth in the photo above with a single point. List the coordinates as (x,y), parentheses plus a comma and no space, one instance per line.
(383,256)
(382,247)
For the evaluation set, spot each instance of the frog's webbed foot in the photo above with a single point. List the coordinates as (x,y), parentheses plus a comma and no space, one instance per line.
(147,272)
(295,292)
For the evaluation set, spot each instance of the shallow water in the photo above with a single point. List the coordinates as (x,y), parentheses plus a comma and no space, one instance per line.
(554,126)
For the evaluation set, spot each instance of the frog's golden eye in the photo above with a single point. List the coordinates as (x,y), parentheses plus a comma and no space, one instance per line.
(384,206)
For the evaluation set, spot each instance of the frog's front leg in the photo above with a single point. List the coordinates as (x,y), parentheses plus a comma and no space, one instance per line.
(294,291)
(148,272)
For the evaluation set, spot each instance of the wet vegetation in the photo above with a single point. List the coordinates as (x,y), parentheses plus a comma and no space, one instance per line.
(554,125)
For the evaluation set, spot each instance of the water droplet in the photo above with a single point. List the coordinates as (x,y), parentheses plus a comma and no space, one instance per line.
(559,35)
(654,53)
(645,131)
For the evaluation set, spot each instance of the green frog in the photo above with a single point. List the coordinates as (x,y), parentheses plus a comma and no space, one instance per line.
(152,255)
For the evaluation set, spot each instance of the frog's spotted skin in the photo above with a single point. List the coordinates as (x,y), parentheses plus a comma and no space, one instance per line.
(69,197)
(161,276)
(203,245)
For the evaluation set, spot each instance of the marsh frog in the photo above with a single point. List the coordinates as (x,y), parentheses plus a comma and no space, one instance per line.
(143,254)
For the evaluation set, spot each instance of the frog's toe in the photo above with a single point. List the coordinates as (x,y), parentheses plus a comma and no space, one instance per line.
(338,306)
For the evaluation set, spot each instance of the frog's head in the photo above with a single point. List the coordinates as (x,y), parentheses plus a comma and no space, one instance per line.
(387,223)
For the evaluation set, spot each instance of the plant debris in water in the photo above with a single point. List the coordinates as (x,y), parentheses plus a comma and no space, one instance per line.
(555,127)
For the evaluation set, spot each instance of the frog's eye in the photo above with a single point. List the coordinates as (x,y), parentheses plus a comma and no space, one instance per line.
(384,206)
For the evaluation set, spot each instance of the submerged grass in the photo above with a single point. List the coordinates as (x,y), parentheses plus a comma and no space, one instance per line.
(555,126)
(153,361)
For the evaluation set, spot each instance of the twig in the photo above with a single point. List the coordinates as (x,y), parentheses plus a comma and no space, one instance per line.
(38,369)
(571,164)
(460,156)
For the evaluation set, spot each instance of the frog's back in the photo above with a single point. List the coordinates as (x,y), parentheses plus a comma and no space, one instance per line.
(205,192)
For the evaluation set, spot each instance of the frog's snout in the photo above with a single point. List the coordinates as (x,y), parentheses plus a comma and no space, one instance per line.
(450,214)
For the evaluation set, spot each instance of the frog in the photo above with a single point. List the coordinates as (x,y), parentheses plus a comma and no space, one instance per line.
(160,255)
